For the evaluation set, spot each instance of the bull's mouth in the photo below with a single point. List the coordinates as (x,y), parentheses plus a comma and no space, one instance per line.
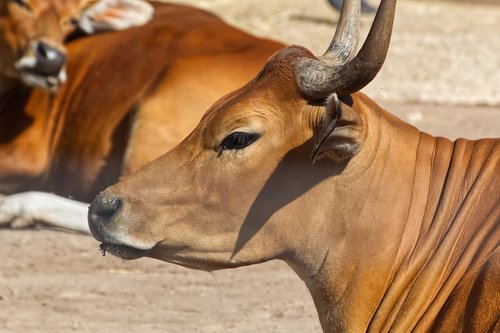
(33,77)
(123,251)
(45,82)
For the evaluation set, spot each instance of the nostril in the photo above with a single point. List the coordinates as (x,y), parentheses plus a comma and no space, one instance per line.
(46,52)
(40,50)
(49,60)
(105,209)
(106,212)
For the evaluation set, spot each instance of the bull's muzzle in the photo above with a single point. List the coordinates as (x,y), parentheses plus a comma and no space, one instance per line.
(103,218)
(101,212)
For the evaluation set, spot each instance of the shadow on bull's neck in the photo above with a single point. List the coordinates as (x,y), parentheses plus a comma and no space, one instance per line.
(293,176)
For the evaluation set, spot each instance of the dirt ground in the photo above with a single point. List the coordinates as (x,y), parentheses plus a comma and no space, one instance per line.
(53,281)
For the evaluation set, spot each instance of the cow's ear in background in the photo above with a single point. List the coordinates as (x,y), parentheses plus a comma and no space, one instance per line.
(110,15)
(338,136)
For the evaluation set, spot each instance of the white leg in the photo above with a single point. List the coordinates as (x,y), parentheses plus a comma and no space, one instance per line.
(39,207)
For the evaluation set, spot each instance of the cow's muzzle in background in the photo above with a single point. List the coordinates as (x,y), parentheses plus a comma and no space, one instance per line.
(42,65)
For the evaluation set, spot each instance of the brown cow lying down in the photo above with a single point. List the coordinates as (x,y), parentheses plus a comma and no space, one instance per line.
(130,96)
(390,228)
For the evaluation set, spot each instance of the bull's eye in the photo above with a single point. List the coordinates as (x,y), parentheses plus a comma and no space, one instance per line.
(23,4)
(238,140)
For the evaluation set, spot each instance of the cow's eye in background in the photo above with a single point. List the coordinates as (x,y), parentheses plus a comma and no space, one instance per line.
(23,4)
(238,140)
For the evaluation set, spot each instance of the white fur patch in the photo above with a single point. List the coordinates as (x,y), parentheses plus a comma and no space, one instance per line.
(31,207)
(108,15)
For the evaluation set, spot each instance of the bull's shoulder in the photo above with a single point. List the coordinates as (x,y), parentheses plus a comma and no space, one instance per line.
(475,304)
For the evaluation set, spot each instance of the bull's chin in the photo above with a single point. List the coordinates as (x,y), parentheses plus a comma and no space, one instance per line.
(177,255)
(123,251)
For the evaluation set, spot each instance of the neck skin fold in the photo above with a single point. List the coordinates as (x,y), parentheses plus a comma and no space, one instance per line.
(384,231)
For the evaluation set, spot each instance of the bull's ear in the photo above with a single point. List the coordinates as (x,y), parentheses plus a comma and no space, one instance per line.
(338,137)
(106,15)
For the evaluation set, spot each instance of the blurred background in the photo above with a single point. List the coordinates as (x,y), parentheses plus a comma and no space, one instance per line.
(442,52)
(442,74)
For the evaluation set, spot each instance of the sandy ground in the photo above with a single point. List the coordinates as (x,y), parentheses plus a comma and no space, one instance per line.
(52,281)
(57,282)
(441,52)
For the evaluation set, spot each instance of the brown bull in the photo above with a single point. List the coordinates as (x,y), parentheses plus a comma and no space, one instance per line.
(130,95)
(391,229)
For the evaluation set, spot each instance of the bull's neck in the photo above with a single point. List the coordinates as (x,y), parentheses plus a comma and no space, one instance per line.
(27,129)
(6,84)
(374,229)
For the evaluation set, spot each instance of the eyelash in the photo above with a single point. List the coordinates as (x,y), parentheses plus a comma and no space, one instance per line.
(238,140)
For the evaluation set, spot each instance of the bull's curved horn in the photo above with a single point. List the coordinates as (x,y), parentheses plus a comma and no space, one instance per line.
(345,41)
(318,79)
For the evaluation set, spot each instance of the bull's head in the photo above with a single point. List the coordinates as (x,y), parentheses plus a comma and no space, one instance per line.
(241,188)
(32,33)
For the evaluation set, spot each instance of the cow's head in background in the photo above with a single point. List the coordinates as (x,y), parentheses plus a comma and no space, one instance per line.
(32,33)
